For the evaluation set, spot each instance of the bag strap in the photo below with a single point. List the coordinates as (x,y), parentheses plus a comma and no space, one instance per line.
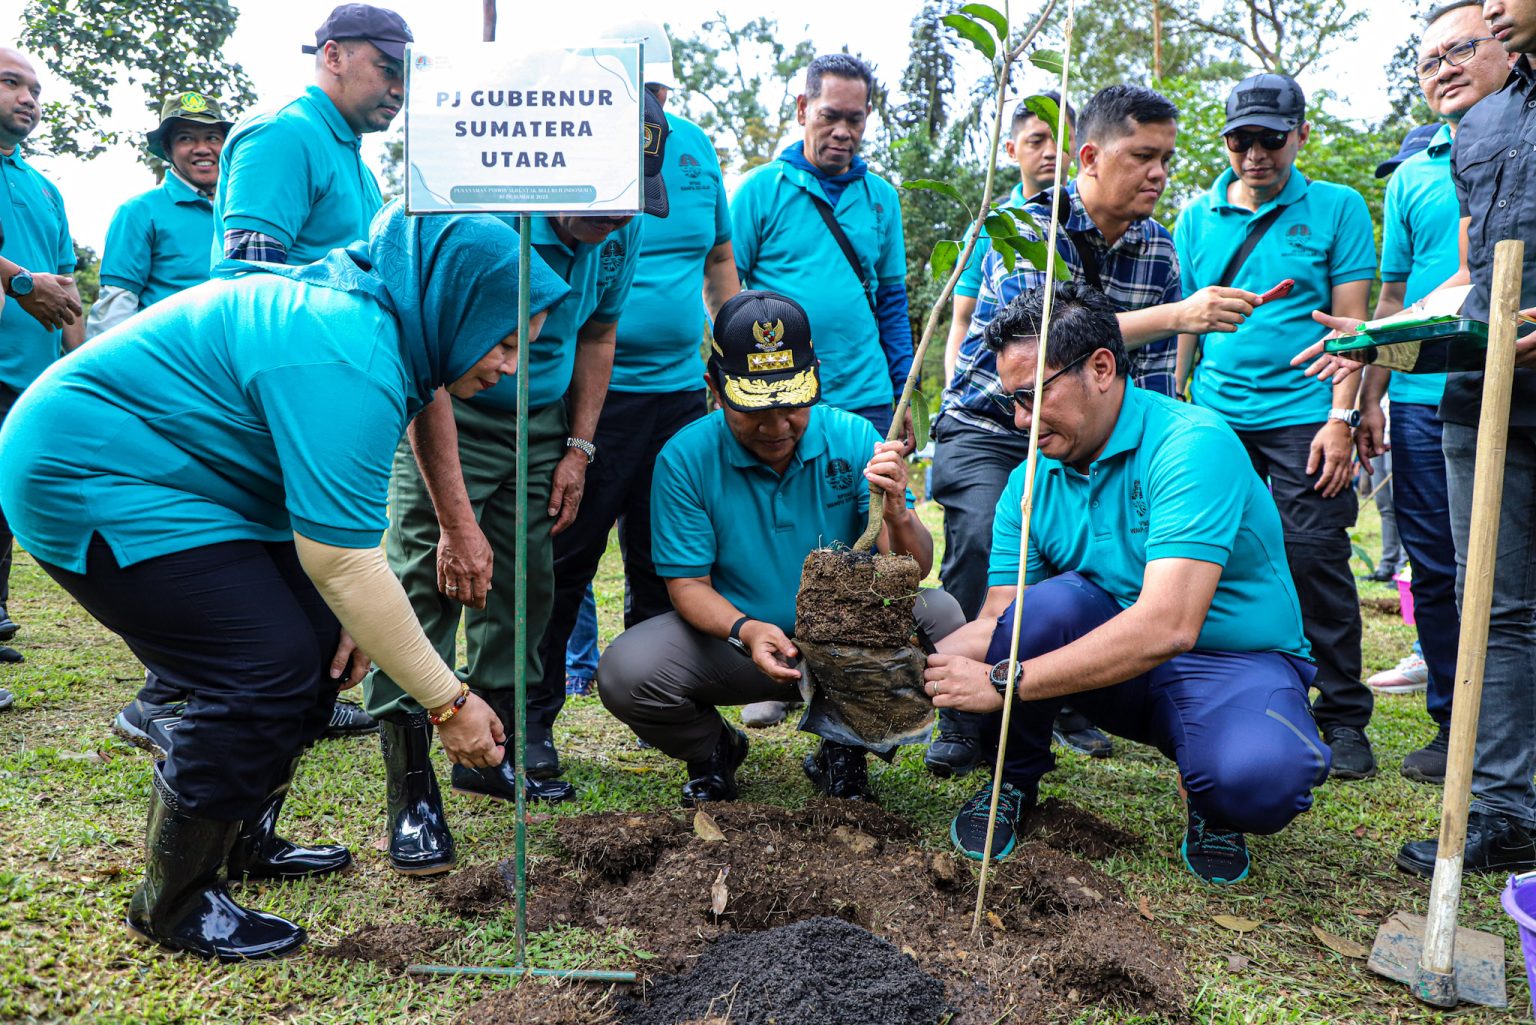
(841,237)
(1087,255)
(1255,233)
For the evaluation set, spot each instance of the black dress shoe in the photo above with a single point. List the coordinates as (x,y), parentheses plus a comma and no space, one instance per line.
(1494,844)
(8,626)
(1352,755)
(348,720)
(7,699)
(954,750)
(182,903)
(420,843)
(500,783)
(1076,732)
(714,778)
(10,656)
(541,759)
(1382,574)
(259,853)
(838,770)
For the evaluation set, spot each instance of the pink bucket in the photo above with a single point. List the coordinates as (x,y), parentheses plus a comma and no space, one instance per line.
(1519,902)
(1405,597)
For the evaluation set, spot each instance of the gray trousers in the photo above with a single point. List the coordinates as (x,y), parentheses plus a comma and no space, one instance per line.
(1506,726)
(970,470)
(664,679)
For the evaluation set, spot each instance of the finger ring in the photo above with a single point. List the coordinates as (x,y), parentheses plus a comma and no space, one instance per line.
(453,587)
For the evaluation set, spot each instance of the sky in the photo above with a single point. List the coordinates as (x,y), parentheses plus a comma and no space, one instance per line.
(271,32)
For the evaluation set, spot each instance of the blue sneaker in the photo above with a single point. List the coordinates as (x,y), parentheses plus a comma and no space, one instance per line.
(1214,854)
(968,831)
(578,686)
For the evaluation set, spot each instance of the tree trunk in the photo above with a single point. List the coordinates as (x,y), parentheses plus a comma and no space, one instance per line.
(489,32)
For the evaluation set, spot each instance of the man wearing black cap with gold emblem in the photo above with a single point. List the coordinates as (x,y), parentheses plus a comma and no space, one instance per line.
(739,499)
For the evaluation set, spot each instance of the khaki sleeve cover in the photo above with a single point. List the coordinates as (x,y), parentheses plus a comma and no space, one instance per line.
(358,586)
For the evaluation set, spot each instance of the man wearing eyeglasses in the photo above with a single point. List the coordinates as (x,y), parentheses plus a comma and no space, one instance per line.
(1299,436)
(1159,601)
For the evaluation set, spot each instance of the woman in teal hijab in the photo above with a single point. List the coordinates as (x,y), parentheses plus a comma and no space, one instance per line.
(209,480)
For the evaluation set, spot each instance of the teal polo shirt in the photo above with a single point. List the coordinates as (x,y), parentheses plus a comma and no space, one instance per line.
(1173,482)
(783,245)
(662,327)
(969,283)
(36,239)
(157,243)
(1322,238)
(1420,244)
(274,407)
(298,175)
(717,511)
(600,277)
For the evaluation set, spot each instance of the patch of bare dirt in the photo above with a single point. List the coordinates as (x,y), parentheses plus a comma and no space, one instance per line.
(392,944)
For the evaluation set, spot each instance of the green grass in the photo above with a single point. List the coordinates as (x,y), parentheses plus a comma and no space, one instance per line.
(72,801)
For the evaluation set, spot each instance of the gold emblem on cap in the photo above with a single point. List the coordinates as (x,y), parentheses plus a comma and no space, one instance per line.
(193,103)
(800,390)
(652,140)
(769,336)
(770,362)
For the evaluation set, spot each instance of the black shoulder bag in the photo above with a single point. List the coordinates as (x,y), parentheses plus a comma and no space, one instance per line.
(841,237)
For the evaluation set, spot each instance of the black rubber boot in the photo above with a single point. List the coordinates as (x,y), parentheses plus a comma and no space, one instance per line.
(420,843)
(182,903)
(500,783)
(259,853)
(714,778)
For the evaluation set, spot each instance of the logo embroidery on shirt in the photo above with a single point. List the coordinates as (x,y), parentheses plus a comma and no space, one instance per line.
(839,474)
(1139,506)
(612,256)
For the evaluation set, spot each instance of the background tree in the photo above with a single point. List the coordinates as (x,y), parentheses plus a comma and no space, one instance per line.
(1288,36)
(737,84)
(162,46)
(87,275)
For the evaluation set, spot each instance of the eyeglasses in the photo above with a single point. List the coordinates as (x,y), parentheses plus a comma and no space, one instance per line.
(1429,67)
(1025,397)
(1242,142)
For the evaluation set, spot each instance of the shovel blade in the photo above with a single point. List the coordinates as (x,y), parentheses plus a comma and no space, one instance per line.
(1479,966)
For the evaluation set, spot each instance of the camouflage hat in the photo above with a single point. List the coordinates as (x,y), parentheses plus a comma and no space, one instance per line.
(188,106)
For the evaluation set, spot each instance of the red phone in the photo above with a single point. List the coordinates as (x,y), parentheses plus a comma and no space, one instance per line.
(1280,291)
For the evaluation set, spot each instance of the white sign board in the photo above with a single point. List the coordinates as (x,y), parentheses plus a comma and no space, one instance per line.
(495,128)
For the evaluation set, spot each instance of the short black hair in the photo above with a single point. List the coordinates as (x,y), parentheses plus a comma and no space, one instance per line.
(1082,321)
(1021,113)
(1454,5)
(1108,115)
(843,65)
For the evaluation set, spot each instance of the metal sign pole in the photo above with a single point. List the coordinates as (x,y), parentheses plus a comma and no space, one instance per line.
(520,589)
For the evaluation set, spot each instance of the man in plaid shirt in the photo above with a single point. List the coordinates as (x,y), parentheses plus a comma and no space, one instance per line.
(1107,238)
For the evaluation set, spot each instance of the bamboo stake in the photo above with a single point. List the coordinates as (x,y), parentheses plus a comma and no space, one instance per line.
(867,540)
(1028,504)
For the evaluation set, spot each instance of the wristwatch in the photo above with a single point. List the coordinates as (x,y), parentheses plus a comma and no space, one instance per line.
(19,285)
(1351,417)
(586,448)
(999,677)
(734,640)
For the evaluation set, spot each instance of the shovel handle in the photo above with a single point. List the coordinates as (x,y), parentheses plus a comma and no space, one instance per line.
(1435,982)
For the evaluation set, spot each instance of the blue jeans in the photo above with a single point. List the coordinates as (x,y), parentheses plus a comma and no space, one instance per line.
(1506,726)
(581,649)
(1237,723)
(1424,525)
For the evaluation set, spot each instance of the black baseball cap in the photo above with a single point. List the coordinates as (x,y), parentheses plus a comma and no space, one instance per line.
(762,356)
(377,25)
(1417,139)
(655,152)
(1266,101)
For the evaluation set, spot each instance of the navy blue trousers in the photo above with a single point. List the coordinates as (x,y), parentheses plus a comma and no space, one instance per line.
(1237,723)
(240,631)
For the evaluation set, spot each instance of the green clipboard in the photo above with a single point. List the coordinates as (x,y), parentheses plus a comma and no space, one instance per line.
(1438,344)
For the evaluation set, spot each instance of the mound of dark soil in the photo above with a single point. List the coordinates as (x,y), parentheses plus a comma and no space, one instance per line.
(392,944)
(820,971)
(475,891)
(856,598)
(1059,934)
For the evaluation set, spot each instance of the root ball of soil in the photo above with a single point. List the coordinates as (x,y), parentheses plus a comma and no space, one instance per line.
(856,598)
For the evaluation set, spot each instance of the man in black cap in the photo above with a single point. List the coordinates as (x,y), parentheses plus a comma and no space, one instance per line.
(740,498)
(294,187)
(158,241)
(1263,222)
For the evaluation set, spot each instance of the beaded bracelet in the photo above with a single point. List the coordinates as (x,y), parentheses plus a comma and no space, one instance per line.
(453,709)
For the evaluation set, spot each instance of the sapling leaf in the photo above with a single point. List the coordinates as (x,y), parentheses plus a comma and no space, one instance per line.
(973,33)
(1000,225)
(1009,258)
(1046,109)
(932,185)
(992,16)
(922,419)
(945,252)
(1046,60)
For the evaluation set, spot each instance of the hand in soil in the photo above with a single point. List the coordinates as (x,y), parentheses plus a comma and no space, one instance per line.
(887,470)
(954,681)
(474,736)
(772,650)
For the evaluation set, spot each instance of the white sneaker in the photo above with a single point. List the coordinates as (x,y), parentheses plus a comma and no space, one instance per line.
(760,714)
(1409,675)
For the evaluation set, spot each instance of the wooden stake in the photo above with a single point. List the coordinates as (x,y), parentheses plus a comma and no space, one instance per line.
(1435,982)
(1032,458)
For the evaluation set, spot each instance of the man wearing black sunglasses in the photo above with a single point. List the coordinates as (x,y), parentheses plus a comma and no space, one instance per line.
(1263,222)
